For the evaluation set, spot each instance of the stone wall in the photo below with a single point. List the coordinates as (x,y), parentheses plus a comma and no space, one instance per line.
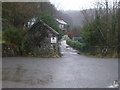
(44,46)
(10,50)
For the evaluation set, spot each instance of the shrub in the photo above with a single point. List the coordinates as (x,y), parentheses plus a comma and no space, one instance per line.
(17,39)
(51,21)
(77,45)
(32,54)
(13,36)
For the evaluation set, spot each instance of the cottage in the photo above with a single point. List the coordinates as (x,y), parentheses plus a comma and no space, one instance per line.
(62,25)
(43,38)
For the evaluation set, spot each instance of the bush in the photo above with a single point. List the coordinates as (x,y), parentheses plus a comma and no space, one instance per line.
(51,21)
(13,36)
(77,45)
(32,54)
(16,39)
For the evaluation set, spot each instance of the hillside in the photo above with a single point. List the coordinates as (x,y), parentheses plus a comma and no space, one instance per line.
(77,17)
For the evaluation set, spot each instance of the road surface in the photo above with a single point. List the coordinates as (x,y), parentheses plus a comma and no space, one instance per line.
(72,70)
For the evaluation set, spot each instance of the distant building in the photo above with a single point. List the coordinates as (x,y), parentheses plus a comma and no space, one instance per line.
(80,39)
(62,25)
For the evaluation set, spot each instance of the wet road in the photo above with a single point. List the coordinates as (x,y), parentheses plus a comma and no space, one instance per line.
(70,71)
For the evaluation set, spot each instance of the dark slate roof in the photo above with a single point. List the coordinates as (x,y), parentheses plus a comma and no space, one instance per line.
(47,26)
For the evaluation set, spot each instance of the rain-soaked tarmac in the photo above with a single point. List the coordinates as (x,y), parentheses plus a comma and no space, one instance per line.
(72,70)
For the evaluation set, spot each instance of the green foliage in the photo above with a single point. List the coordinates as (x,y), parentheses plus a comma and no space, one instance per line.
(17,39)
(17,13)
(103,29)
(25,47)
(51,21)
(48,19)
(32,54)
(13,36)
(91,33)
(77,45)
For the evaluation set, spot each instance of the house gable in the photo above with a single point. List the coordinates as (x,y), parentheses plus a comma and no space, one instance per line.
(41,35)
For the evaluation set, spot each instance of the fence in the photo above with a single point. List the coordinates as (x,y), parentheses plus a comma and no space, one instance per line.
(104,50)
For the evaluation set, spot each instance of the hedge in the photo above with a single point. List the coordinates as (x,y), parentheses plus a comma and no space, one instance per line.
(77,45)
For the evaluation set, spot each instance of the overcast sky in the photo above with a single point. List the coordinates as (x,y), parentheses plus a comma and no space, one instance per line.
(74,4)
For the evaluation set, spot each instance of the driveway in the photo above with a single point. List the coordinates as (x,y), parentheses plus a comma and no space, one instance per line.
(72,70)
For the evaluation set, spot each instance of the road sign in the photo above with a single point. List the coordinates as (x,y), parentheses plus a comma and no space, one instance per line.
(53,40)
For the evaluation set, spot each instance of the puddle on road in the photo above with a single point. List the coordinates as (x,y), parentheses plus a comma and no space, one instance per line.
(10,74)
(42,81)
(69,53)
(19,74)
